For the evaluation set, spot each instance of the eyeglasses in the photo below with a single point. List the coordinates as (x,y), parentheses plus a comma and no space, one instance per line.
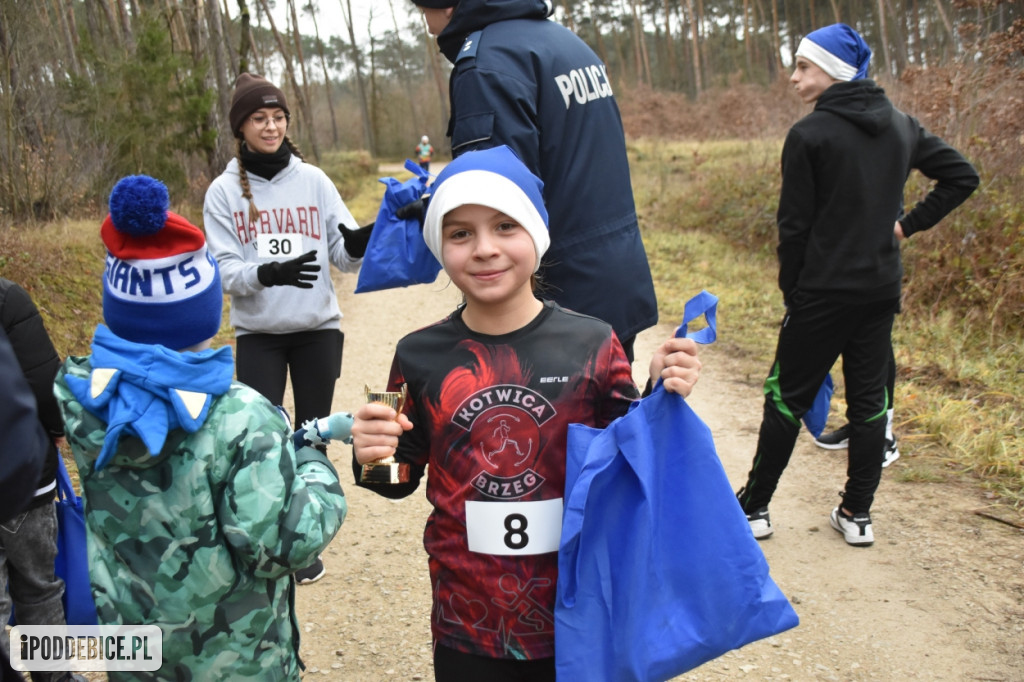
(262,121)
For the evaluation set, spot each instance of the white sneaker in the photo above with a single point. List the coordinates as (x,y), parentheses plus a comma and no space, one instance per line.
(834,440)
(760,523)
(892,453)
(856,529)
(311,573)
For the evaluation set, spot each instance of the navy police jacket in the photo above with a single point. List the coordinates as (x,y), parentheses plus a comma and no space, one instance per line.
(530,83)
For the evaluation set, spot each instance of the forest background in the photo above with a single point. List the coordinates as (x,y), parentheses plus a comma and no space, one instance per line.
(92,90)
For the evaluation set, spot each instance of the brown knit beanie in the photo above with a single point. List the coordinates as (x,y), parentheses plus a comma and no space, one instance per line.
(253,92)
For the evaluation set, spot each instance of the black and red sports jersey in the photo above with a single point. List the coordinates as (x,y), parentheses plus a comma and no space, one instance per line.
(491,417)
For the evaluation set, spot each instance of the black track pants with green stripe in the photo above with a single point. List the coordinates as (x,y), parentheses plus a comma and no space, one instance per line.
(815,333)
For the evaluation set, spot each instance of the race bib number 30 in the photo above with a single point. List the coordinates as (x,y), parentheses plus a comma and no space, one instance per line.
(514,527)
(279,246)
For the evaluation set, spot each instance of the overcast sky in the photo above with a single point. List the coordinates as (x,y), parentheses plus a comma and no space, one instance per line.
(330,18)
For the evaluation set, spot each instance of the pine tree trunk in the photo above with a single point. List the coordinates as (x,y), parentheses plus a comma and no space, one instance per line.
(219,114)
(364,105)
(670,52)
(883,32)
(65,18)
(403,74)
(244,37)
(698,81)
(748,48)
(297,39)
(303,107)
(434,58)
(327,80)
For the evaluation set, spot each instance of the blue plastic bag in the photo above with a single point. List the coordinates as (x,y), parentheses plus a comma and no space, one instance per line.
(816,417)
(658,570)
(396,255)
(72,563)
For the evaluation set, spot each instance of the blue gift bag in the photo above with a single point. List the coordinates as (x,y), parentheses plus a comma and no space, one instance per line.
(396,255)
(816,417)
(72,563)
(658,570)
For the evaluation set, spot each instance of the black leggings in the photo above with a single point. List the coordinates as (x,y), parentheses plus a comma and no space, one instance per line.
(312,359)
(455,666)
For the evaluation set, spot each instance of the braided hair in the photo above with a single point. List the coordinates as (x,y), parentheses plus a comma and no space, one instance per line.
(243,176)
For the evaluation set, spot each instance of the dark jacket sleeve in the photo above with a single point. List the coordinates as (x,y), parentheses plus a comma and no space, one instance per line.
(32,346)
(955,180)
(23,442)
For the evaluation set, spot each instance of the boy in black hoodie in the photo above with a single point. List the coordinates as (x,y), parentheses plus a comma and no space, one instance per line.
(841,218)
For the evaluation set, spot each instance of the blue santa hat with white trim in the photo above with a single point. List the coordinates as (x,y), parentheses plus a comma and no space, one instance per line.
(838,50)
(495,178)
(161,285)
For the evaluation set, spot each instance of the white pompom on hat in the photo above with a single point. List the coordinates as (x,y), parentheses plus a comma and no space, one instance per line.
(495,178)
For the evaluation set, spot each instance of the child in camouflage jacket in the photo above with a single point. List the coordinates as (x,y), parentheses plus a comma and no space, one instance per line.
(199,507)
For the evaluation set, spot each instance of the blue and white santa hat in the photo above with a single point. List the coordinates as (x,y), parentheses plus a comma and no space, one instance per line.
(495,178)
(160,284)
(838,50)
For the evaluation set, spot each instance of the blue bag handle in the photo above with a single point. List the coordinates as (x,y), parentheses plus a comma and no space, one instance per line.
(415,169)
(398,193)
(65,491)
(705,303)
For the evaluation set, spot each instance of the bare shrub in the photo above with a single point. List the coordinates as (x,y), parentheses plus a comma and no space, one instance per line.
(741,111)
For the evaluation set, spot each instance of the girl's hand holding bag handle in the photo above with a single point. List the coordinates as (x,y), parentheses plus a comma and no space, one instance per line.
(396,255)
(658,571)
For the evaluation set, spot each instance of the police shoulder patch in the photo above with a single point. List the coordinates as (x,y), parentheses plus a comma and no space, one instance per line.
(469,46)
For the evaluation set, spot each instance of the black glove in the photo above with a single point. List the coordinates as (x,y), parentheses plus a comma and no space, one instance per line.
(416,209)
(356,240)
(298,272)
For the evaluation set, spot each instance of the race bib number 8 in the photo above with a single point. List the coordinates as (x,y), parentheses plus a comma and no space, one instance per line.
(278,246)
(514,527)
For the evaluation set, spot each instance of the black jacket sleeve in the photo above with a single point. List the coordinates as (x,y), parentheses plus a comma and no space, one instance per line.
(34,350)
(23,442)
(955,180)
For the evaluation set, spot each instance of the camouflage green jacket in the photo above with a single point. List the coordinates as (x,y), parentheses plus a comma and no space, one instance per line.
(202,538)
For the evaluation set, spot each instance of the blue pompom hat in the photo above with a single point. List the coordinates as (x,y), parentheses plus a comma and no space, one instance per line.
(838,50)
(160,284)
(495,178)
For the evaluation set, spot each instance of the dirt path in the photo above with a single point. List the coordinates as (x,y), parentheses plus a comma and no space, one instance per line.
(940,596)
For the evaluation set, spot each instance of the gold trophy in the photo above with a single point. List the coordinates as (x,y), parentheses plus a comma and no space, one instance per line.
(386,471)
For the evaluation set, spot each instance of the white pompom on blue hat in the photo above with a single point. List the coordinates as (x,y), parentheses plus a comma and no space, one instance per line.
(495,178)
(838,50)
(161,285)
